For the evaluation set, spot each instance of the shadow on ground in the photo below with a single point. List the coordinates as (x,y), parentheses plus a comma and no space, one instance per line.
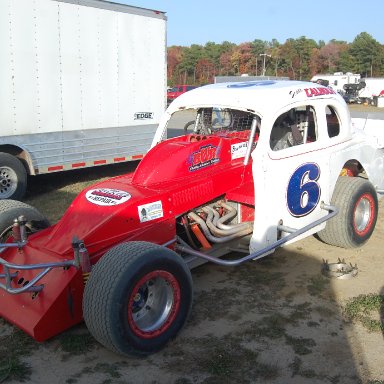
(271,321)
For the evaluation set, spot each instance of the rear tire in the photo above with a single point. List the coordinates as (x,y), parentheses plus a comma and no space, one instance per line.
(356,199)
(12,209)
(13,177)
(137,298)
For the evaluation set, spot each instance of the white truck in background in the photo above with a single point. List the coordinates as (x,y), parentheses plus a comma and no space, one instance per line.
(83,83)
(337,80)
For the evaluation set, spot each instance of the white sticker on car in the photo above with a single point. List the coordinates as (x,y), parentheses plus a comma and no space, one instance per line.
(151,211)
(107,196)
(239,150)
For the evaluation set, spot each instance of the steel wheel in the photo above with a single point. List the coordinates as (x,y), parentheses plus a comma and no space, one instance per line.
(13,177)
(154,303)
(8,182)
(137,298)
(364,214)
(356,199)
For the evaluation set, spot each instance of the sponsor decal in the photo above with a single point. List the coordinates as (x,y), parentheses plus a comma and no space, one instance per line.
(320,91)
(143,115)
(239,150)
(204,157)
(107,197)
(151,211)
(295,93)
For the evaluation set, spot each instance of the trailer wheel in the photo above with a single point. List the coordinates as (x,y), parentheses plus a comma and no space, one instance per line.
(356,199)
(137,298)
(12,209)
(13,177)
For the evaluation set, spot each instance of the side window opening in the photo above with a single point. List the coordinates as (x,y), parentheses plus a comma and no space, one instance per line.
(295,127)
(333,123)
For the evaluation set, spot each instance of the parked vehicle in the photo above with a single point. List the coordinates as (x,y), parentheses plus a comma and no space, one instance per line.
(82,84)
(371,88)
(337,81)
(351,95)
(261,164)
(178,90)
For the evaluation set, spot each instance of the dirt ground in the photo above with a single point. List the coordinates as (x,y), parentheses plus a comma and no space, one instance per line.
(279,320)
(273,321)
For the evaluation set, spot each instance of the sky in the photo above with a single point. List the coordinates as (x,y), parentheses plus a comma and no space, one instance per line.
(239,21)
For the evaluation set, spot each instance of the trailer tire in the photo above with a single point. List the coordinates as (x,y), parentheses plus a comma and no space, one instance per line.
(13,177)
(12,209)
(137,298)
(356,199)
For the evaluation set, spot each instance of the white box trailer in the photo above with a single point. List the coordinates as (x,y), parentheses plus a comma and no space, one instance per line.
(83,83)
(373,86)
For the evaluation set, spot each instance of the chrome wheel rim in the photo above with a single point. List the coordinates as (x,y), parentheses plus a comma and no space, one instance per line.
(8,182)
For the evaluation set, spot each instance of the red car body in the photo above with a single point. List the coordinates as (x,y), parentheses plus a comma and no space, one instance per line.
(185,178)
(178,90)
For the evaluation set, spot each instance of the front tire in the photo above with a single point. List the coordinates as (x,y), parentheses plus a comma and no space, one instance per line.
(12,209)
(13,177)
(137,298)
(356,199)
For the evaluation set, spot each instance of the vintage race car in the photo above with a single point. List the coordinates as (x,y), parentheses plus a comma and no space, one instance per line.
(257,165)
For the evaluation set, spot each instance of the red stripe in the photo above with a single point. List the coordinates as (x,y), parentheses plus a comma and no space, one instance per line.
(78,165)
(57,168)
(117,159)
(98,162)
(137,157)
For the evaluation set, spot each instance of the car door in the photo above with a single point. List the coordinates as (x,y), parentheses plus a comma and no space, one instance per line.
(291,174)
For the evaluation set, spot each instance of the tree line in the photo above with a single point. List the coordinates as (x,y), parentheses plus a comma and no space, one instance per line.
(298,59)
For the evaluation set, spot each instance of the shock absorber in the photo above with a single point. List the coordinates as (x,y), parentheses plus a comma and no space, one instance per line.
(82,257)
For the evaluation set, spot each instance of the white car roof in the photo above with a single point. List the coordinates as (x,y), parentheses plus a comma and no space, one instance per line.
(259,96)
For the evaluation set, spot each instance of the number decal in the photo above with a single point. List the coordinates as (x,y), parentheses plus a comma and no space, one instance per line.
(303,193)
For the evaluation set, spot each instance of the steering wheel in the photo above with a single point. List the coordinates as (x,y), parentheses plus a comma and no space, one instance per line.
(186,126)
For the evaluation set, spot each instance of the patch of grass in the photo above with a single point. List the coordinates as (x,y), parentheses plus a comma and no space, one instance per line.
(300,312)
(111,370)
(12,348)
(183,380)
(222,360)
(263,283)
(324,311)
(317,285)
(297,369)
(270,327)
(300,345)
(76,344)
(12,368)
(214,304)
(274,326)
(367,310)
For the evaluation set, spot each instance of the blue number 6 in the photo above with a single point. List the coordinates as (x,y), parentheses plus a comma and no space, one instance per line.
(303,193)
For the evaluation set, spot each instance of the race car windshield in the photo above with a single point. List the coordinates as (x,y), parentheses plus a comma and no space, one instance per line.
(222,120)
(213,120)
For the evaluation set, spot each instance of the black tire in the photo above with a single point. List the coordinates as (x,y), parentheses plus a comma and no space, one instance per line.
(356,199)
(13,177)
(12,209)
(137,298)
